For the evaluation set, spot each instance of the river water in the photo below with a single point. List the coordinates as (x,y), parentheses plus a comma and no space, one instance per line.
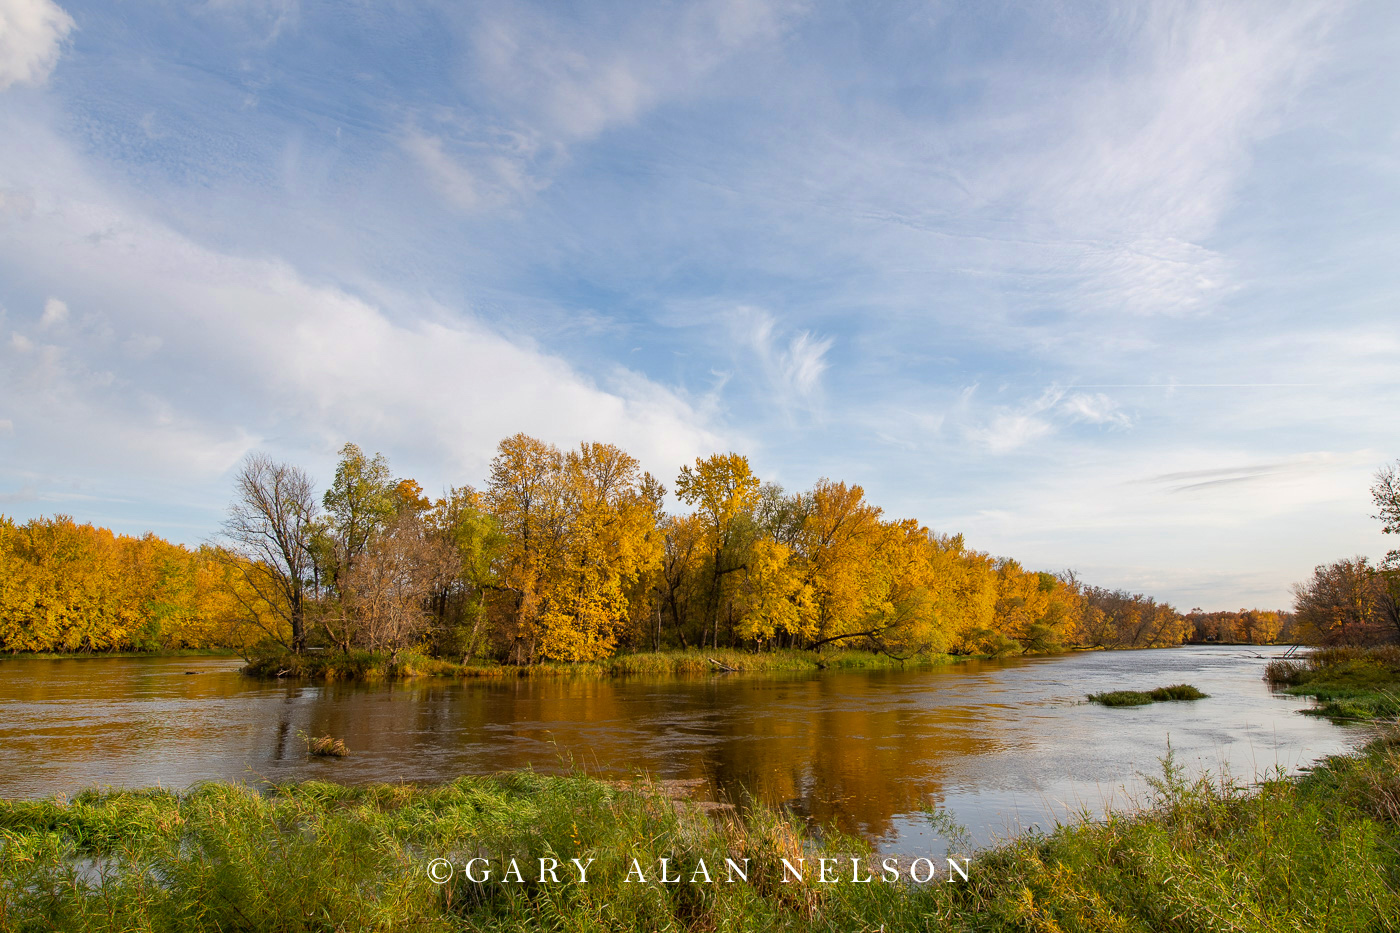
(1003,745)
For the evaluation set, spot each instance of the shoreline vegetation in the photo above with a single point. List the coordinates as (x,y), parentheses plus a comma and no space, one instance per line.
(1318,852)
(1349,683)
(366,666)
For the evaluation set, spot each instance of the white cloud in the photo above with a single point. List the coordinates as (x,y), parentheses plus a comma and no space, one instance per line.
(1008,431)
(31,34)
(255,354)
(1095,408)
(55,313)
(1010,427)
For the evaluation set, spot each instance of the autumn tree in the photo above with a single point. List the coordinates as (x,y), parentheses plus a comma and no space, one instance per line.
(389,583)
(268,530)
(1342,604)
(677,584)
(840,539)
(609,544)
(459,518)
(724,491)
(523,496)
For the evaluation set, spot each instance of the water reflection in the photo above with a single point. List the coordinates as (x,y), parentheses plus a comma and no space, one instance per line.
(1001,744)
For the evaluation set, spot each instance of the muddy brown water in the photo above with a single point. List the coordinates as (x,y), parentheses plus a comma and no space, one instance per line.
(1003,745)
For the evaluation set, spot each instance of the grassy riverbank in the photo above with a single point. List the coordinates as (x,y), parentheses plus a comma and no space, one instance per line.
(363,665)
(1320,853)
(1349,683)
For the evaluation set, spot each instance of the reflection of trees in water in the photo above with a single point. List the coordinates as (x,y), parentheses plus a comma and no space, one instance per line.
(835,749)
(854,749)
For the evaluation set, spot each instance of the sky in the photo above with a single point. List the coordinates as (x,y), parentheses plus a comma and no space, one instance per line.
(1109,287)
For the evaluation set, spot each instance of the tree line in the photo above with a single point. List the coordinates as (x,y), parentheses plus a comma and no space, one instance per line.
(1353,601)
(568,555)
(571,555)
(71,587)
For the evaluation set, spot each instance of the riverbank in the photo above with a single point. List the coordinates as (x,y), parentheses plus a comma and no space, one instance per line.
(1319,853)
(94,655)
(1348,683)
(367,666)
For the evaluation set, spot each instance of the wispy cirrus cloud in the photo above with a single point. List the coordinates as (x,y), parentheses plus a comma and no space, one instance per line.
(561,82)
(791,365)
(1007,428)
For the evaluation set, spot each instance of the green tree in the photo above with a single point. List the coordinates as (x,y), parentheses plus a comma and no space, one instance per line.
(361,500)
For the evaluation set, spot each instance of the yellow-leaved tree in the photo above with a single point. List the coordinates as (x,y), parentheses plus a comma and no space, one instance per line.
(724,491)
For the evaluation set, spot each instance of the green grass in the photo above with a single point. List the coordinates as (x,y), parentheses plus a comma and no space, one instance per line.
(1321,853)
(1142,698)
(363,665)
(1349,683)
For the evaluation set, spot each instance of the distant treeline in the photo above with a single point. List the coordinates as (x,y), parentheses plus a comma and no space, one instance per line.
(563,555)
(71,587)
(1247,626)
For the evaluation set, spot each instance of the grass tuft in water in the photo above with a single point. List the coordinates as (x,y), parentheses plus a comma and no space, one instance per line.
(325,746)
(1142,698)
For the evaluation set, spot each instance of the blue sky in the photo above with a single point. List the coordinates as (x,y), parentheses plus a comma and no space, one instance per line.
(1104,286)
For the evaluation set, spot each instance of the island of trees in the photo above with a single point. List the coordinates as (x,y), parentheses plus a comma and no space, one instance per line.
(569,556)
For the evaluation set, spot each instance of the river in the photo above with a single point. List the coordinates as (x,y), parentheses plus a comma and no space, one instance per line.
(1003,745)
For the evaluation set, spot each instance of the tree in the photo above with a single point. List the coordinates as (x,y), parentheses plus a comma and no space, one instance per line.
(610,545)
(1386,494)
(460,602)
(523,496)
(362,498)
(269,526)
(724,492)
(1341,604)
(840,538)
(387,589)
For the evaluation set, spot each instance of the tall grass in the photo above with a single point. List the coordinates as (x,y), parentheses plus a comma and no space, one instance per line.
(1350,683)
(363,665)
(1202,854)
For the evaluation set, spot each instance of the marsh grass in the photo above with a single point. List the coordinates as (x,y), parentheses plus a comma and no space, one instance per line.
(1350,684)
(1201,853)
(365,666)
(325,746)
(1142,698)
